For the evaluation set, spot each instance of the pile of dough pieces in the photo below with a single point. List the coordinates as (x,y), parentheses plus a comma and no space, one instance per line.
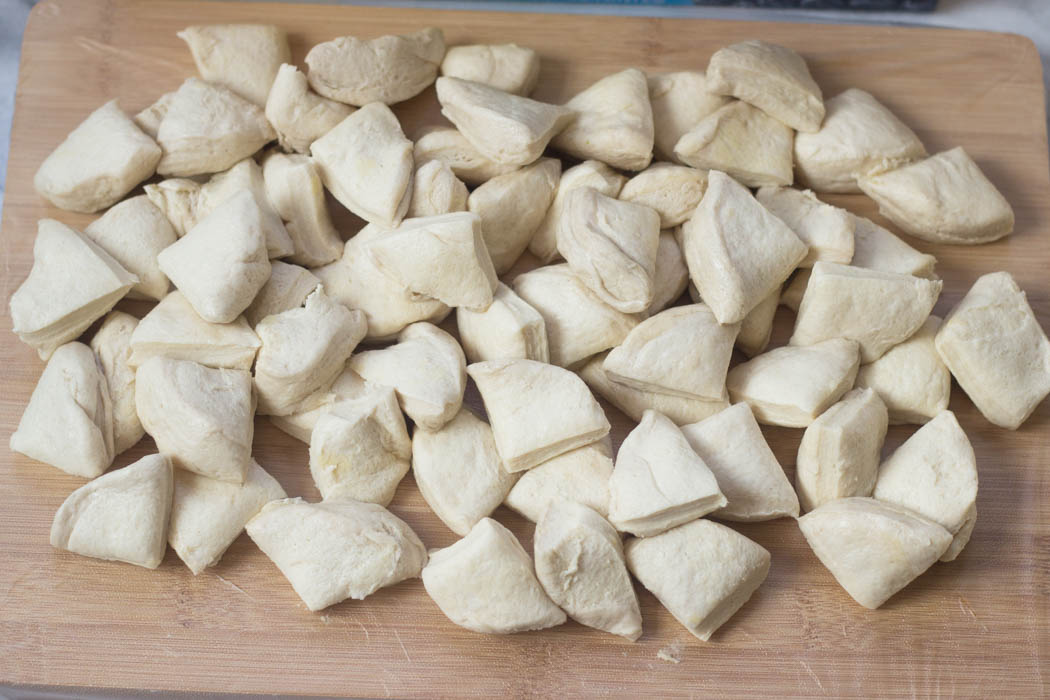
(263,309)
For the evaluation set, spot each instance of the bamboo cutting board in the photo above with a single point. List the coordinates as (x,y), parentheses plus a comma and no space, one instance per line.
(977,627)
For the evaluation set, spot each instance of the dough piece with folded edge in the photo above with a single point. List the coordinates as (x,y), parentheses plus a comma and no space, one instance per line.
(679,101)
(242,57)
(757,327)
(287,289)
(508,67)
(133,233)
(336,549)
(876,248)
(449,146)
(436,190)
(581,476)
(671,277)
(120,516)
(827,230)
(702,572)
(672,191)
(294,187)
(509,329)
(486,583)
(112,346)
(298,114)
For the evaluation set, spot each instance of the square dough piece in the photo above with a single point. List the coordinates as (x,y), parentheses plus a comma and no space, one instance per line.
(827,230)
(242,57)
(679,101)
(294,188)
(877,249)
(672,191)
(508,67)
(509,329)
(298,114)
(581,476)
(112,346)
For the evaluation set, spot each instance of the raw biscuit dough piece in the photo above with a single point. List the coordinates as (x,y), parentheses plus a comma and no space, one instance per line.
(298,114)
(671,277)
(679,101)
(511,208)
(748,473)
(68,422)
(179,199)
(745,142)
(877,249)
(910,378)
(294,187)
(839,453)
(287,289)
(943,199)
(459,472)
(436,190)
(348,385)
(737,252)
(673,191)
(200,417)
(120,516)
(150,118)
(702,572)
(208,515)
(614,122)
(112,346)
(387,69)
(757,326)
(486,583)
(578,323)
(242,57)
(580,563)
(98,163)
(827,230)
(366,163)
(877,309)
(771,77)
(508,67)
(173,329)
(962,537)
(873,549)
(336,549)
(133,233)
(996,350)
(792,385)
(859,137)
(505,128)
(447,145)
(509,329)
(792,292)
(73,282)
(425,367)
(581,476)
(537,411)
(659,482)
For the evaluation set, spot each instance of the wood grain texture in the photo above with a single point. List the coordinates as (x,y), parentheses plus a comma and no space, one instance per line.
(977,627)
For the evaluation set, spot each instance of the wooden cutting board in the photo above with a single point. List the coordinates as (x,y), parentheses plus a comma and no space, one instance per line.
(977,627)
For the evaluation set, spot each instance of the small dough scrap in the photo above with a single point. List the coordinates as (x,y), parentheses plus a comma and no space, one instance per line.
(943,199)
(449,146)
(98,163)
(150,118)
(877,309)
(200,417)
(537,411)
(427,370)
(679,101)
(336,549)
(702,572)
(877,249)
(839,453)
(737,252)
(133,233)
(910,378)
(859,136)
(366,163)
(348,385)
(748,473)
(827,230)
(298,114)
(757,327)
(745,142)
(509,329)
(873,549)
(208,515)
(112,346)
(241,57)
(581,476)
(459,472)
(287,289)
(792,385)
(508,67)
(120,516)
(671,277)
(486,583)
(580,563)
(771,77)
(996,350)
(294,187)
(673,191)
(436,190)
(68,422)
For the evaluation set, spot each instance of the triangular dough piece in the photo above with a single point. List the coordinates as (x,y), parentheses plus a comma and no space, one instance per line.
(508,67)
(772,77)
(485,582)
(859,136)
(748,473)
(910,378)
(336,549)
(134,232)
(581,476)
(650,357)
(120,516)
(436,190)
(943,199)
(72,283)
(580,563)
(287,289)
(748,144)
(731,567)
(241,57)
(827,230)
(459,472)
(449,146)
(68,422)
(506,128)
(839,453)
(615,122)
(757,327)
(873,549)
(659,481)
(679,102)
(877,309)
(537,411)
(737,252)
(509,329)
(298,114)
(294,187)
(673,191)
(671,277)
(962,537)
(112,346)
(366,163)
(791,386)
(427,370)
(207,515)
(877,249)
(198,416)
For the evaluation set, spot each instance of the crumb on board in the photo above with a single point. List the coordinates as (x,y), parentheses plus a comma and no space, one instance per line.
(672,652)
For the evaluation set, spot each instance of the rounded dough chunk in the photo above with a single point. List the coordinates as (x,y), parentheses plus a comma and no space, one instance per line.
(294,187)
(486,583)
(702,572)
(508,67)
(679,102)
(447,145)
(242,57)
(112,346)
(436,190)
(509,329)
(134,232)
(287,289)
(580,476)
(298,114)
(877,249)
(673,191)
(336,549)
(827,230)
(120,516)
